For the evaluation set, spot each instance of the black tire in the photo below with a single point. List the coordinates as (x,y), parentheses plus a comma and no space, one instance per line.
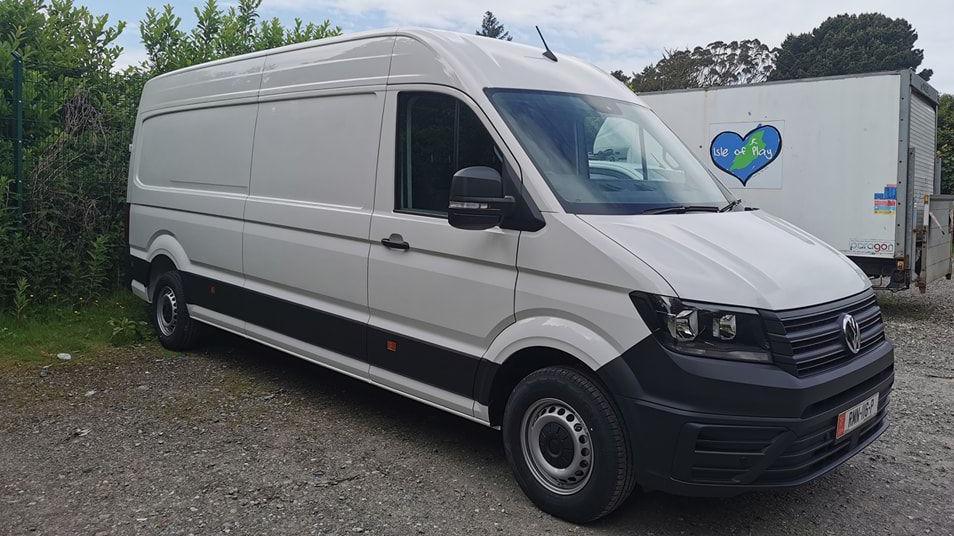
(608,474)
(170,316)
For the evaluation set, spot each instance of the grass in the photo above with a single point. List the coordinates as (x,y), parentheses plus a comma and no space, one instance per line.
(79,330)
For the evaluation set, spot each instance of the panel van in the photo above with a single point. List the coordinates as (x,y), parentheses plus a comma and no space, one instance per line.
(512,237)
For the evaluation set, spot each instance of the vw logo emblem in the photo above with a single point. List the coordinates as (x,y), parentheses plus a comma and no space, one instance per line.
(849,326)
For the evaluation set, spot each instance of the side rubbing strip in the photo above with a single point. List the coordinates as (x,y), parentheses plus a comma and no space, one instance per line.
(308,325)
(418,360)
(341,335)
(451,371)
(215,295)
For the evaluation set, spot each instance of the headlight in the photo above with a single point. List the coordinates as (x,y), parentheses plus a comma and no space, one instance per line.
(704,329)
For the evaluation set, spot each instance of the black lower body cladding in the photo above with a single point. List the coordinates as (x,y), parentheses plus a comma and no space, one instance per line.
(708,427)
(433,365)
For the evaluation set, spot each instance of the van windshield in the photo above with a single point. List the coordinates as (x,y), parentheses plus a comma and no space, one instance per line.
(606,156)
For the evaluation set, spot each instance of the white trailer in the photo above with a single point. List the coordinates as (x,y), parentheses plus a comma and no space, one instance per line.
(850,159)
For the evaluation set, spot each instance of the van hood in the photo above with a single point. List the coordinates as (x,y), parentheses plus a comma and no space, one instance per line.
(746,258)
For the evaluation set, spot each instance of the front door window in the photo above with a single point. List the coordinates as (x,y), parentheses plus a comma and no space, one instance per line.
(437,136)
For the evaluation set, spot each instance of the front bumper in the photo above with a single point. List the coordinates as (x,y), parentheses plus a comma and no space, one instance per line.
(705,427)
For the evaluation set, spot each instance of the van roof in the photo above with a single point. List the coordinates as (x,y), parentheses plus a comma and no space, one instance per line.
(393,56)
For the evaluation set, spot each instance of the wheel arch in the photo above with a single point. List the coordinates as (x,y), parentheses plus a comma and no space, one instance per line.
(165,253)
(502,379)
(160,264)
(535,343)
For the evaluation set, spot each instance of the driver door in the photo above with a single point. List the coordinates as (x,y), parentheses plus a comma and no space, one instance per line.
(438,295)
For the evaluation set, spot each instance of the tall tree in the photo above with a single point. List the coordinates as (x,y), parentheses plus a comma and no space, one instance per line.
(848,44)
(676,70)
(727,64)
(716,64)
(622,77)
(491,27)
(945,142)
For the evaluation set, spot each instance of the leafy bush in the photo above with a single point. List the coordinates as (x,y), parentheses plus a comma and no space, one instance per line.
(218,34)
(127,331)
(75,128)
(945,142)
(79,117)
(21,299)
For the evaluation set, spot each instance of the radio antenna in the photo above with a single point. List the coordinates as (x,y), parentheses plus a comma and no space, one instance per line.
(548,54)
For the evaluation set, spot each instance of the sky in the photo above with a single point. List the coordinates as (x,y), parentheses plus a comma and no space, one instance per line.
(618,34)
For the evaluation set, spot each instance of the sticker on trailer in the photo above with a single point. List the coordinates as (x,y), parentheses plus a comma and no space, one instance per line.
(886,201)
(870,247)
(747,155)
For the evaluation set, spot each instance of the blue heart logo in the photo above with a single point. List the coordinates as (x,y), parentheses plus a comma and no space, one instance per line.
(744,156)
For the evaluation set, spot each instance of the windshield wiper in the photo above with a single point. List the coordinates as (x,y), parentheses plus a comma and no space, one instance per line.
(681,209)
(732,204)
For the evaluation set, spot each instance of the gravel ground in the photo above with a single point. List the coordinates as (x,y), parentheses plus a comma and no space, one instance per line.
(242,439)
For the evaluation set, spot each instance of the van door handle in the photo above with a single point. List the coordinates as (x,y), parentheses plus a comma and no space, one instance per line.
(395,241)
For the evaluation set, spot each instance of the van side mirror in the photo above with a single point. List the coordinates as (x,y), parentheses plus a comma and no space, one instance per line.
(477,200)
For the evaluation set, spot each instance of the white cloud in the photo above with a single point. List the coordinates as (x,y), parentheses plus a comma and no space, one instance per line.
(631,34)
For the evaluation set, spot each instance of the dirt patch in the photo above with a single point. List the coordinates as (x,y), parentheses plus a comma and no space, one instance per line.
(245,440)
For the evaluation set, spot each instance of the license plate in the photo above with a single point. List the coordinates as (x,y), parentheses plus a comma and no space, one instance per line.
(851,419)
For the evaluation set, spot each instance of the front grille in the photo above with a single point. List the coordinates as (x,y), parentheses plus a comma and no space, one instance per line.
(810,340)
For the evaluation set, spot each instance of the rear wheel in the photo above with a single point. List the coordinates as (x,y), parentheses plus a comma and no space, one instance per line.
(566,444)
(175,328)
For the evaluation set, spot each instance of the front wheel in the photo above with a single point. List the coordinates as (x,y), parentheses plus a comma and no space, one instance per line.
(565,442)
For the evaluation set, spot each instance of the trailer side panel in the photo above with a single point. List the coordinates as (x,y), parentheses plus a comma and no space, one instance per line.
(836,169)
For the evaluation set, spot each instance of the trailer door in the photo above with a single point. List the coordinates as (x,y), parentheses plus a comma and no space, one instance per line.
(938,229)
(923,138)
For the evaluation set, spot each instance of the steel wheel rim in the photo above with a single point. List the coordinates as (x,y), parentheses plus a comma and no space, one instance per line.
(167,311)
(557,446)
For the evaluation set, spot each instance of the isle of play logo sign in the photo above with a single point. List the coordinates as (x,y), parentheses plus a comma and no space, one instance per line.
(748,152)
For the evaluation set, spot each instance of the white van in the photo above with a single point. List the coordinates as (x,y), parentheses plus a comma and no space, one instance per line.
(512,238)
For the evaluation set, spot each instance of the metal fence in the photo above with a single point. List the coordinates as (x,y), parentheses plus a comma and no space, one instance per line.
(13,127)
(17,130)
